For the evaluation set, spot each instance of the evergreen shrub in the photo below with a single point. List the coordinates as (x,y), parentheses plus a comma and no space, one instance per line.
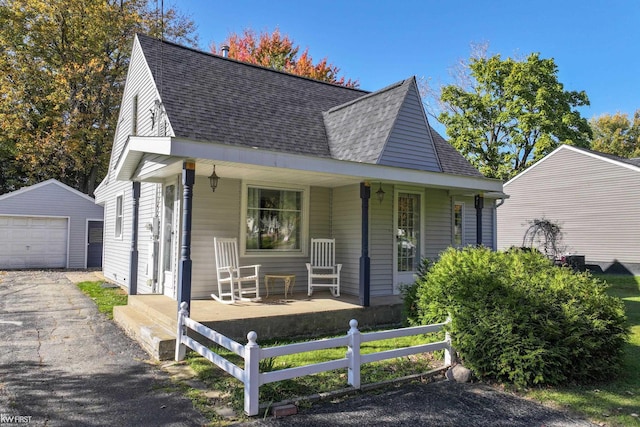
(517,318)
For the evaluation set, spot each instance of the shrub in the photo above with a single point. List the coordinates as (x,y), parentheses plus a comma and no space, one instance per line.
(518,318)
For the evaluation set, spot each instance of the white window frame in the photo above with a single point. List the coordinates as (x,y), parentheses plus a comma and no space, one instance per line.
(119,217)
(304,232)
(453,224)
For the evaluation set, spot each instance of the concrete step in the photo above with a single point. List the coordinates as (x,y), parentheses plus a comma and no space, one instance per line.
(154,338)
(157,308)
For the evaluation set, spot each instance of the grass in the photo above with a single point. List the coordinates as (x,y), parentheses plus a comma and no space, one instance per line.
(104,297)
(611,403)
(217,379)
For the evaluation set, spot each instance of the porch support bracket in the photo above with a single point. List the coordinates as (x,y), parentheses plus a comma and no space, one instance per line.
(479,202)
(133,255)
(184,267)
(365,261)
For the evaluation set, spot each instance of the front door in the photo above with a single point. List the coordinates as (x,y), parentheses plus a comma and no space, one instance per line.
(94,244)
(169,240)
(408,237)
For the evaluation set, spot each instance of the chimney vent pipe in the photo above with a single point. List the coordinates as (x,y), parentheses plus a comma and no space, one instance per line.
(225,51)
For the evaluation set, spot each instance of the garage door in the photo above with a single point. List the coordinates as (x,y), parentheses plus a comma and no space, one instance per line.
(29,242)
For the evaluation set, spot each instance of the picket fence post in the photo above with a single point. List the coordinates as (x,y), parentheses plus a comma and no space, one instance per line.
(181,349)
(251,374)
(353,354)
(448,351)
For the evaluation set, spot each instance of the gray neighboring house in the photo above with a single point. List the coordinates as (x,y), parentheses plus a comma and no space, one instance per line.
(297,159)
(592,196)
(50,225)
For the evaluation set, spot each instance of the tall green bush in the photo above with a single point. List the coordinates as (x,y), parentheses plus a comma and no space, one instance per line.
(517,318)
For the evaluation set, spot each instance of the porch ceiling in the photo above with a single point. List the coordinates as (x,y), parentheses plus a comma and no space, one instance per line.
(154,159)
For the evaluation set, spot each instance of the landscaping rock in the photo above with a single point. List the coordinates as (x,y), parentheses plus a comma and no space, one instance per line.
(459,374)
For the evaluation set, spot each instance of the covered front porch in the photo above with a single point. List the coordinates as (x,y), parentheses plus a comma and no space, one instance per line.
(380,242)
(152,321)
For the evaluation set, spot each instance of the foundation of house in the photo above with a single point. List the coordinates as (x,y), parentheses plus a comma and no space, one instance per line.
(152,319)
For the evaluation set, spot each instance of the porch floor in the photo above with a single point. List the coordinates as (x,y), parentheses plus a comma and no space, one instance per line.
(154,317)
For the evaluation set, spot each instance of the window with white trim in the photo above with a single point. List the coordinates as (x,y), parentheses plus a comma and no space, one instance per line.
(118,228)
(274,220)
(458,224)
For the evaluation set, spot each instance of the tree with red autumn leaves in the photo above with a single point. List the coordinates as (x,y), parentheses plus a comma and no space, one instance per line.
(277,51)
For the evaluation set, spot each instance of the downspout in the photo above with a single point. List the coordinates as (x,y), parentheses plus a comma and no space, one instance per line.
(184,268)
(495,222)
(479,202)
(133,256)
(365,261)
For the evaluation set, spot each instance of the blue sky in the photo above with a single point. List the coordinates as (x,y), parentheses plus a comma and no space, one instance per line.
(595,44)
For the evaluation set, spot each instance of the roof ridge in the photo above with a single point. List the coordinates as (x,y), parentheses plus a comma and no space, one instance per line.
(368,95)
(248,64)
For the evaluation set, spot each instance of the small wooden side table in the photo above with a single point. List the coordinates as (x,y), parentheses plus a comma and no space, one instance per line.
(289,282)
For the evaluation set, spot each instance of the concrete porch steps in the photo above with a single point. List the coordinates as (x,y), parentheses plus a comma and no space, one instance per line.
(161,309)
(155,337)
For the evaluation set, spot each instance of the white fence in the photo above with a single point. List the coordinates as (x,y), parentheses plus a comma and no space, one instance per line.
(253,354)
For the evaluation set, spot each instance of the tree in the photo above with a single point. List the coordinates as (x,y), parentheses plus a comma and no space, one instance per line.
(278,52)
(62,70)
(511,114)
(616,134)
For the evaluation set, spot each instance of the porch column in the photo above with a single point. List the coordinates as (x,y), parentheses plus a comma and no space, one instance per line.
(133,256)
(365,262)
(479,202)
(184,268)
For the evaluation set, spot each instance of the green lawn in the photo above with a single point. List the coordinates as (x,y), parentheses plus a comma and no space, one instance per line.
(614,402)
(104,297)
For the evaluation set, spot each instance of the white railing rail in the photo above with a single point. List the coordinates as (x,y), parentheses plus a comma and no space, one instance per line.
(252,354)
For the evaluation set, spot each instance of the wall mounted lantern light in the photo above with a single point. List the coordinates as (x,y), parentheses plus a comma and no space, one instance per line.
(213,179)
(380,194)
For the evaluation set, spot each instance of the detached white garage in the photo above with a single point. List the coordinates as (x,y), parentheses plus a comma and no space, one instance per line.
(50,225)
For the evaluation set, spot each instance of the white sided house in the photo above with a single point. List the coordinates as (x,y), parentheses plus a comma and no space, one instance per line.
(297,159)
(50,225)
(592,196)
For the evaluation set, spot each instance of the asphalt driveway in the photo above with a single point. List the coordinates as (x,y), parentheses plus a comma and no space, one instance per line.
(62,363)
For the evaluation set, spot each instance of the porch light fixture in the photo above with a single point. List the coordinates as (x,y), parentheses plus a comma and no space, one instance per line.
(213,179)
(380,194)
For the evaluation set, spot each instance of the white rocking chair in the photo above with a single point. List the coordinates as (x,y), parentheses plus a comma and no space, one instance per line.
(323,271)
(231,274)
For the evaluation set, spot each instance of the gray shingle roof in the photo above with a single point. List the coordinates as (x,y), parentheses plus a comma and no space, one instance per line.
(210,98)
(451,160)
(358,130)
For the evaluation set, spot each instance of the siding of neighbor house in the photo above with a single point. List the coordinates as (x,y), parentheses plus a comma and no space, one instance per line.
(53,199)
(594,200)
